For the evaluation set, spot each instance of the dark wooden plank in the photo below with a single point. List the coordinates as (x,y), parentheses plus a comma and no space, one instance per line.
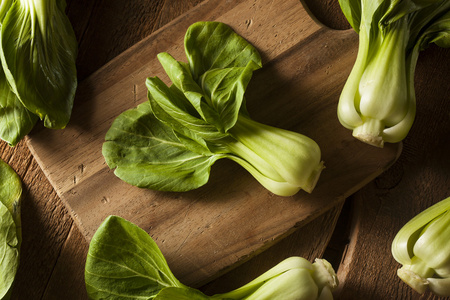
(327,12)
(309,241)
(67,278)
(45,224)
(102,35)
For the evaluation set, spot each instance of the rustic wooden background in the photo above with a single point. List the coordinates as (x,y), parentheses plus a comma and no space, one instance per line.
(355,239)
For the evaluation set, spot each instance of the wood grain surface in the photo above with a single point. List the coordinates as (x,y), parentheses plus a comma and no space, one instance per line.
(211,229)
(358,243)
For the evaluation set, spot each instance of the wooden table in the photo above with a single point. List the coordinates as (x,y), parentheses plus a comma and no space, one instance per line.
(356,238)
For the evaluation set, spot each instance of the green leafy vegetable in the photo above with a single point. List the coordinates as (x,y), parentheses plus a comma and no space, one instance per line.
(170,142)
(422,246)
(38,79)
(124,262)
(10,227)
(378,100)
(15,120)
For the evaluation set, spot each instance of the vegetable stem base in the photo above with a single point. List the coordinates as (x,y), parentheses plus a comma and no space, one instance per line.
(370,132)
(418,283)
(312,180)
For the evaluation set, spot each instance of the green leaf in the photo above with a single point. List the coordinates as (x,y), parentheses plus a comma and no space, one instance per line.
(181,78)
(171,107)
(38,53)
(221,62)
(352,11)
(9,251)
(15,120)
(214,45)
(124,262)
(226,88)
(11,192)
(10,227)
(438,33)
(181,293)
(147,153)
(219,93)
(4,7)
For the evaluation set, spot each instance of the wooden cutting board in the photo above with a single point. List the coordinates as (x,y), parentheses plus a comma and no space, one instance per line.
(232,218)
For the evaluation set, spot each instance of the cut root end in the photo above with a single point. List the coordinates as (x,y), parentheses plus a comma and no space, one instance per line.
(418,283)
(376,141)
(370,132)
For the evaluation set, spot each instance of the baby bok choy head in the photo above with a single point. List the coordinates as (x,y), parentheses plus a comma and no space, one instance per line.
(294,278)
(124,262)
(170,142)
(378,100)
(422,246)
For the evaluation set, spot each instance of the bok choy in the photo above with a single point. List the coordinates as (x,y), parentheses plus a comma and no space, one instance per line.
(170,142)
(378,100)
(10,227)
(38,77)
(124,262)
(422,246)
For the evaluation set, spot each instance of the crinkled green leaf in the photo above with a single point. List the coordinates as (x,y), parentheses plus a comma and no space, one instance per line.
(221,62)
(214,45)
(226,88)
(124,262)
(218,94)
(38,54)
(146,153)
(181,78)
(10,227)
(171,107)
